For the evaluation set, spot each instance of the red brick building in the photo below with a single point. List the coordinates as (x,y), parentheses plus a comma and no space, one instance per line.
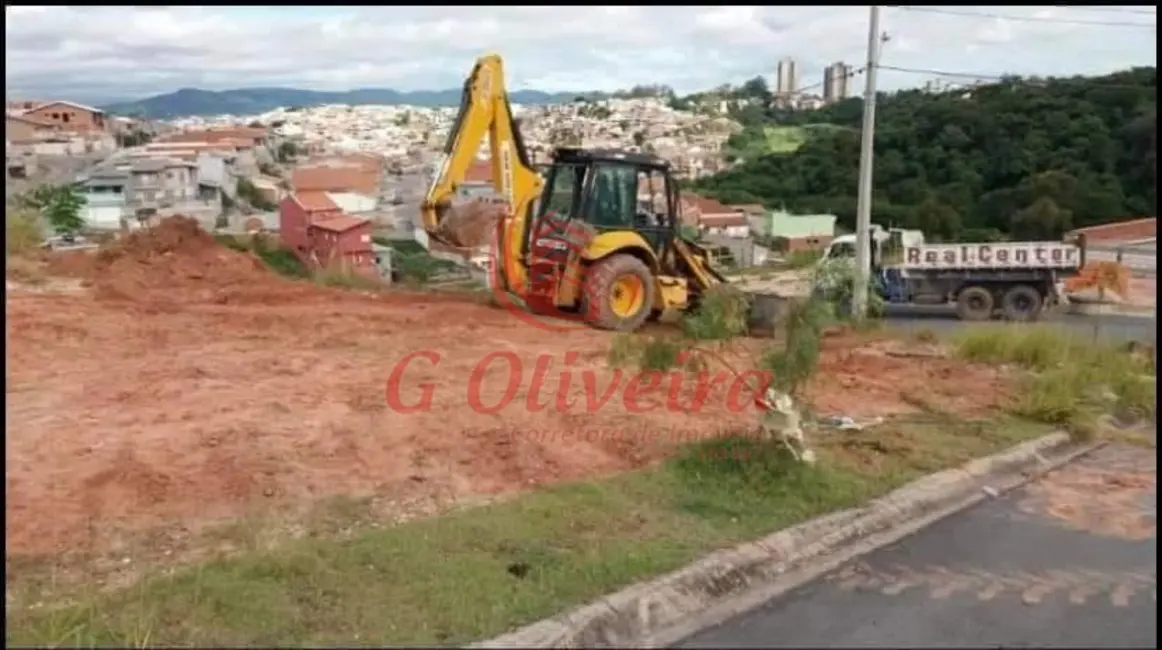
(297,212)
(75,118)
(343,242)
(322,235)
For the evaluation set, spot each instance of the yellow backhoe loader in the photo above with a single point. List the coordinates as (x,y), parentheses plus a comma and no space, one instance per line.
(597,236)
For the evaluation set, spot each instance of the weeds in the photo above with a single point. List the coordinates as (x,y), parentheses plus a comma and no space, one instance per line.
(22,231)
(278,258)
(1070,382)
(340,276)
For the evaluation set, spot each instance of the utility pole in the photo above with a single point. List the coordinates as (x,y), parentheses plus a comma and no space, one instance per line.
(863,210)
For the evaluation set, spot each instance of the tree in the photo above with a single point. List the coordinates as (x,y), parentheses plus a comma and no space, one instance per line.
(61,206)
(962,164)
(287,151)
(1041,220)
(756,89)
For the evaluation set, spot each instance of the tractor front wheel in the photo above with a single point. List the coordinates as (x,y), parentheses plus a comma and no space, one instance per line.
(619,293)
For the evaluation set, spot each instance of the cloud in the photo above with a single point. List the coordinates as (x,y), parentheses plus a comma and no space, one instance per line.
(90,53)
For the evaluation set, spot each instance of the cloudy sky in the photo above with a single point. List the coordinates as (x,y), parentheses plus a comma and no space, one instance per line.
(104,53)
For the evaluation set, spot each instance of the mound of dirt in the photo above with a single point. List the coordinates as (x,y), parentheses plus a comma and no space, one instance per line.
(471,224)
(170,261)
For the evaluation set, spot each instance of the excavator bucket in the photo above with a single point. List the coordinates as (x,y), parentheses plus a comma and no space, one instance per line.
(470,224)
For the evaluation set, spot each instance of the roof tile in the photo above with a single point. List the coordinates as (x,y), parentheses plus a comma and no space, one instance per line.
(335,179)
(314,201)
(340,224)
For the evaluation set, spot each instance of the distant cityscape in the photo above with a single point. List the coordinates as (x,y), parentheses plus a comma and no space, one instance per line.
(835,86)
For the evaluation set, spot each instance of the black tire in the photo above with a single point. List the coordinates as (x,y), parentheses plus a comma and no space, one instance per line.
(1022,303)
(599,289)
(975,304)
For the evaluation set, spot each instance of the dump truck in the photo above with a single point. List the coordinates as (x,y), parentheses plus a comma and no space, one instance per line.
(1015,281)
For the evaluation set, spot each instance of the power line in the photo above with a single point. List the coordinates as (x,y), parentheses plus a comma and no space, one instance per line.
(1027,19)
(1109,10)
(986,77)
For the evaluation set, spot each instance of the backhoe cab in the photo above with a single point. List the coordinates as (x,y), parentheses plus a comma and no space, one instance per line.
(605,241)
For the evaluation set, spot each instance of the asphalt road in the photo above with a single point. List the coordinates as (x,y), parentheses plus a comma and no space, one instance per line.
(1069,561)
(943,321)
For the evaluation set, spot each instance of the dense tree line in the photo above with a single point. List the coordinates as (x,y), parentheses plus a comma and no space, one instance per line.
(1021,158)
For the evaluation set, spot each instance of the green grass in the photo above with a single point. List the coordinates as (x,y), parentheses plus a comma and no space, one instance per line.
(1070,382)
(278,258)
(784,139)
(478,572)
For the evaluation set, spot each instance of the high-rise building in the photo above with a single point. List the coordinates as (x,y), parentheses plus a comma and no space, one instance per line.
(836,82)
(786,77)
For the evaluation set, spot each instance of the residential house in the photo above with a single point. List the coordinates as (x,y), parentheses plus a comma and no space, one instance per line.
(712,217)
(75,118)
(802,231)
(269,188)
(248,145)
(159,184)
(234,136)
(104,191)
(141,190)
(320,233)
(353,187)
(22,128)
(29,135)
(344,242)
(297,212)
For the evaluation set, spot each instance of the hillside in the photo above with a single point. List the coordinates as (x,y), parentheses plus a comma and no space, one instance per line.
(250,101)
(1018,158)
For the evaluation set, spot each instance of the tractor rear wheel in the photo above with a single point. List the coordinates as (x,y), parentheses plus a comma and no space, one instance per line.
(619,293)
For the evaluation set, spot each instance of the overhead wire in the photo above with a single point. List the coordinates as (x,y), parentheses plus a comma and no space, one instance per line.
(1109,10)
(989,77)
(1027,19)
(980,77)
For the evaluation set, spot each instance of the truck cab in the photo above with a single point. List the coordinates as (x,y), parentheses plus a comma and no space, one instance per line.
(890,240)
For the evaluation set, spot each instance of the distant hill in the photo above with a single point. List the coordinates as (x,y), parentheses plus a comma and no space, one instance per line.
(249,101)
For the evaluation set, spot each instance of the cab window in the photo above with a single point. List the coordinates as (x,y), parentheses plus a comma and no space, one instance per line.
(614,200)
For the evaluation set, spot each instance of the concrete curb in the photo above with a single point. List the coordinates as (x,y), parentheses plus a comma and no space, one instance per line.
(726,583)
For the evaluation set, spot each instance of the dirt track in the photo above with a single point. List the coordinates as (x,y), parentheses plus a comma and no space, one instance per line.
(183,384)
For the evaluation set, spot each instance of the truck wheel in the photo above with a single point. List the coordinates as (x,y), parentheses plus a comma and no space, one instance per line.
(974,303)
(619,293)
(1021,303)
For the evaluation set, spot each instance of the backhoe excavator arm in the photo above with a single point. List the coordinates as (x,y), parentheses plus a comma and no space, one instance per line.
(485,111)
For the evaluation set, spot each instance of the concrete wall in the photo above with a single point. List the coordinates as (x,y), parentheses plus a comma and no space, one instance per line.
(103,215)
(212,171)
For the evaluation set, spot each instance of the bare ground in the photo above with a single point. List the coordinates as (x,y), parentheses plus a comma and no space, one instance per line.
(182,385)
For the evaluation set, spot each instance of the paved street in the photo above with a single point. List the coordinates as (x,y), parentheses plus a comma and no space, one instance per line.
(943,321)
(1070,561)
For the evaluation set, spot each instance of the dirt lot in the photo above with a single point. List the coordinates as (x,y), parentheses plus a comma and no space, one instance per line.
(175,383)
